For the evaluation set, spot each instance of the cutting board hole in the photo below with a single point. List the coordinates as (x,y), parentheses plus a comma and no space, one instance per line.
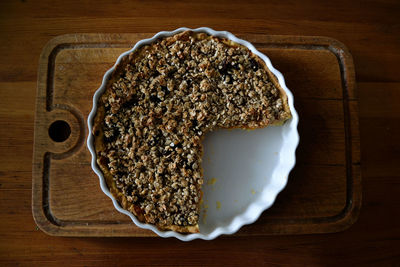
(59,131)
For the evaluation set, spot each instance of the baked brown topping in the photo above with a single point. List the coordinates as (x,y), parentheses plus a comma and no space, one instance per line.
(162,100)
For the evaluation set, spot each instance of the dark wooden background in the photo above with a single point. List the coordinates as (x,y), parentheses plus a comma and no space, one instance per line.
(371,31)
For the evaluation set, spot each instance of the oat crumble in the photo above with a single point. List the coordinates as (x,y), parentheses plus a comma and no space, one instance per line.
(160,102)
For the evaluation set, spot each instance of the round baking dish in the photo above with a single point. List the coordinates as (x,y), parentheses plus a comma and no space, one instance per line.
(244,170)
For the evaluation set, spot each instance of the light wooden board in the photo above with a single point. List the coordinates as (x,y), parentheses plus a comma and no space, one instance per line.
(324,190)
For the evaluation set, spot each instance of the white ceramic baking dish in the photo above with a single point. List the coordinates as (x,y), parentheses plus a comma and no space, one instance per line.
(243,170)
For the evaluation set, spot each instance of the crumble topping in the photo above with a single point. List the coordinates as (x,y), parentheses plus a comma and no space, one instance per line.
(157,110)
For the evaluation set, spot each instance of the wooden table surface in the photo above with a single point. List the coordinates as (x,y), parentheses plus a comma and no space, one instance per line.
(371,31)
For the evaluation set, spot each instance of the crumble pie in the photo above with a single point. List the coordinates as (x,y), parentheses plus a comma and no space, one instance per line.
(157,106)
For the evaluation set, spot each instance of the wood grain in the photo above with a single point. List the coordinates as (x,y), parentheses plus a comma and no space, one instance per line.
(370,29)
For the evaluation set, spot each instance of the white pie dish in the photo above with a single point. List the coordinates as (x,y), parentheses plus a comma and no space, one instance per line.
(243,170)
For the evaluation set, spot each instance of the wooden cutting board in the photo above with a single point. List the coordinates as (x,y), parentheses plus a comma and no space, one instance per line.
(324,189)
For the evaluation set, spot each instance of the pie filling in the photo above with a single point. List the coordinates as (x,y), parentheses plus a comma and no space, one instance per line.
(159,103)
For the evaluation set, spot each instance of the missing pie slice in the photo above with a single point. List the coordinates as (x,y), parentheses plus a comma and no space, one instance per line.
(157,106)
